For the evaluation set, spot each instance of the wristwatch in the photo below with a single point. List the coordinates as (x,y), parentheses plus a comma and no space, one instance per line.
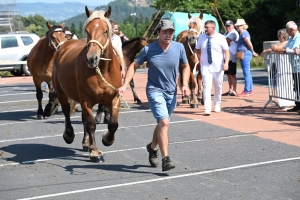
(185,85)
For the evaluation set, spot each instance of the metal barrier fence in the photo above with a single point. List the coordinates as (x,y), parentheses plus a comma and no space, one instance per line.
(283,79)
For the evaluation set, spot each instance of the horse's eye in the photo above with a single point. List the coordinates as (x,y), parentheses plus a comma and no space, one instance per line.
(105,32)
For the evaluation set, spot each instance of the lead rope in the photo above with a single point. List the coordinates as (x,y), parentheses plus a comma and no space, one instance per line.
(120,96)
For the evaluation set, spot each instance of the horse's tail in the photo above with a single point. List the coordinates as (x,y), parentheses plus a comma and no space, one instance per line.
(73,106)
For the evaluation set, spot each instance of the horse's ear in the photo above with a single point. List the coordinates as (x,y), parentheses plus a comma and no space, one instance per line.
(108,12)
(201,14)
(62,25)
(189,15)
(88,12)
(49,25)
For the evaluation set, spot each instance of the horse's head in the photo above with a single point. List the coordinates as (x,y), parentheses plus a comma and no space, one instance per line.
(142,42)
(195,27)
(99,32)
(55,35)
(192,36)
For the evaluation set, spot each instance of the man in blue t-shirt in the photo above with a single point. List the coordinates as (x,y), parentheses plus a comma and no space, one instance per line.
(163,58)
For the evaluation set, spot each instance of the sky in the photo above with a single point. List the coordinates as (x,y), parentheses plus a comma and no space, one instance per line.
(87,2)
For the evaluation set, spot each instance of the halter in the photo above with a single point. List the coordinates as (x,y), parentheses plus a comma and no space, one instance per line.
(196,40)
(102,48)
(53,43)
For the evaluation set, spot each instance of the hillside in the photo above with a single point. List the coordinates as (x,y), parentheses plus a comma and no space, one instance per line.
(121,9)
(50,11)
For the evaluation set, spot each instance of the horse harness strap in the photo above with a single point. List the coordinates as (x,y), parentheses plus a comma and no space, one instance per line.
(120,98)
(53,43)
(101,47)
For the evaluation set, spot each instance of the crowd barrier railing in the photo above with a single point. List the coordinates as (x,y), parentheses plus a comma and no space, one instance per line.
(283,79)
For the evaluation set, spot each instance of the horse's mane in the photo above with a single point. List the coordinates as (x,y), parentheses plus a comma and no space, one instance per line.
(198,21)
(132,40)
(98,14)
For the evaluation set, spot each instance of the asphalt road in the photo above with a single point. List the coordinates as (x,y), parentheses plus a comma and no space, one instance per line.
(212,162)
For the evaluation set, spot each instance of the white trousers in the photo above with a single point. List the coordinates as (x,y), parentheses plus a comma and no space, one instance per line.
(210,78)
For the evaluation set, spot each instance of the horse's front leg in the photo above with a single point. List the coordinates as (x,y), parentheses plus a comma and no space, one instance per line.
(53,103)
(135,97)
(109,137)
(89,128)
(39,98)
(86,138)
(200,88)
(192,85)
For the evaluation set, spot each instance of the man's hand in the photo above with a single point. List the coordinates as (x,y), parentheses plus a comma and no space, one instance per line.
(297,51)
(185,91)
(121,90)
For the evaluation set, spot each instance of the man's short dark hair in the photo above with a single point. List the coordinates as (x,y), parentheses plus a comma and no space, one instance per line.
(210,22)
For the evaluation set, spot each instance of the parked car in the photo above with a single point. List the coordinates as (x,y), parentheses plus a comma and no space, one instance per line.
(15,46)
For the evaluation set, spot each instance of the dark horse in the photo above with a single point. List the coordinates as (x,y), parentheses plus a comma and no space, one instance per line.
(129,48)
(189,39)
(89,73)
(39,63)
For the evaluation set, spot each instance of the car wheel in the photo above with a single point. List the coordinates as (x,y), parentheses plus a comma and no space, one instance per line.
(16,72)
(26,70)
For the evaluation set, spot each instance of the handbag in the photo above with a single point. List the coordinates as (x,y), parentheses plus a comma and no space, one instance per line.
(239,55)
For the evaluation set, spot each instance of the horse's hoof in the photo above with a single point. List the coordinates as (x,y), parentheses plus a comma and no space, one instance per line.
(40,117)
(201,101)
(69,136)
(105,140)
(194,105)
(85,148)
(185,101)
(96,156)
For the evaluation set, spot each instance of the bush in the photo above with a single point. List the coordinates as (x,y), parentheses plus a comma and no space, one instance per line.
(256,62)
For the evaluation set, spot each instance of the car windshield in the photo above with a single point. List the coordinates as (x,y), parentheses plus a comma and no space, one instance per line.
(27,40)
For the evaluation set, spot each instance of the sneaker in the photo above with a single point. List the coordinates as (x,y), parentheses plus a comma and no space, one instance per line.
(251,93)
(167,164)
(243,94)
(217,109)
(153,155)
(226,93)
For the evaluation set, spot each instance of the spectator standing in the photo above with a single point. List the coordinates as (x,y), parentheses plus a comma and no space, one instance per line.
(284,81)
(232,37)
(212,49)
(245,45)
(68,32)
(292,46)
(298,26)
(163,57)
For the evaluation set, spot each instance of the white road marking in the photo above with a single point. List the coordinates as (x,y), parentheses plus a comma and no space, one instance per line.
(18,101)
(123,150)
(166,178)
(17,94)
(62,118)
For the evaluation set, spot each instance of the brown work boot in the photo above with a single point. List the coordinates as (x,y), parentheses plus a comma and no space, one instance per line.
(167,164)
(153,155)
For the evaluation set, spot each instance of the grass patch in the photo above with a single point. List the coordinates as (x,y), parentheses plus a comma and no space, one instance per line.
(256,62)
(5,73)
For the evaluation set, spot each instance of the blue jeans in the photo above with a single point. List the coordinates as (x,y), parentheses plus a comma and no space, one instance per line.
(162,103)
(245,64)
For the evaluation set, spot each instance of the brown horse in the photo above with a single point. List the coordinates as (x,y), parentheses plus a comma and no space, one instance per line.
(189,38)
(39,63)
(129,48)
(89,73)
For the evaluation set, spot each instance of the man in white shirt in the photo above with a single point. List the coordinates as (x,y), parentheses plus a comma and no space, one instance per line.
(232,37)
(212,49)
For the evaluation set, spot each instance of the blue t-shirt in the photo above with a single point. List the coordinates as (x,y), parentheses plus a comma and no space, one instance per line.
(242,45)
(294,43)
(163,66)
